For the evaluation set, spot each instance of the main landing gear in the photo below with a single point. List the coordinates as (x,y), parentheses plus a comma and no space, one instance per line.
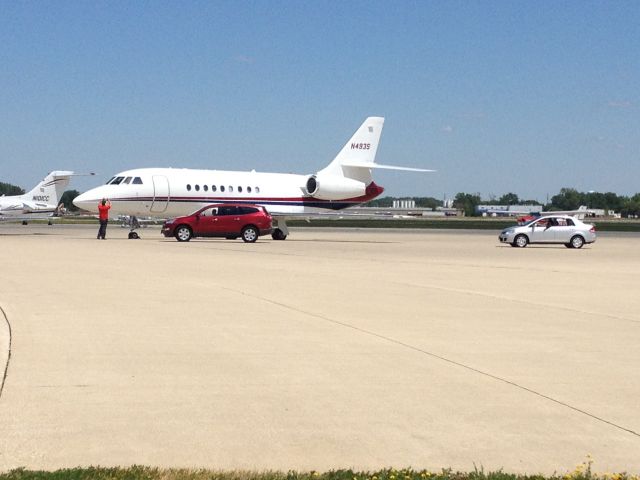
(280,230)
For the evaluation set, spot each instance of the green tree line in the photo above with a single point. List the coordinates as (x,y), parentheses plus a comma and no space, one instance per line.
(8,189)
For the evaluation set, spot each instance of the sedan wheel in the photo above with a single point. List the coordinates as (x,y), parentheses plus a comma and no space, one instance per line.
(520,241)
(183,233)
(577,241)
(249,234)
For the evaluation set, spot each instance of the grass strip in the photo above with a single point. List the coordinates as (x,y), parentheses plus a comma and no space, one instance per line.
(462,223)
(465,223)
(581,472)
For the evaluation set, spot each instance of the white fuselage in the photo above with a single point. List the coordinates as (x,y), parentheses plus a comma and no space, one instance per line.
(24,207)
(170,192)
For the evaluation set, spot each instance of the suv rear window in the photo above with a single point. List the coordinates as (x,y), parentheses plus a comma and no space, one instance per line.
(247,210)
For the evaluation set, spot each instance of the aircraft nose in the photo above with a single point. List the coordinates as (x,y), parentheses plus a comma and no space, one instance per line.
(85,201)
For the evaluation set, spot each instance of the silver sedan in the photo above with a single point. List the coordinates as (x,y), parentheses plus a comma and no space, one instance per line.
(564,229)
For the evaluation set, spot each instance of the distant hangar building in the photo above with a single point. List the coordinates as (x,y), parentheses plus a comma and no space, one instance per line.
(507,210)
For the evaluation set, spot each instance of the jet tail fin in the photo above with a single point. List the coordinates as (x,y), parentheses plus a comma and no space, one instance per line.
(357,157)
(581,212)
(360,149)
(50,189)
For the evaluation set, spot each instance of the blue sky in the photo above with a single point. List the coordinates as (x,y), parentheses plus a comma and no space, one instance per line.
(498,96)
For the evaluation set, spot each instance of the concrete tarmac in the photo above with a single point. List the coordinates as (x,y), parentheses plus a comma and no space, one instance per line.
(332,349)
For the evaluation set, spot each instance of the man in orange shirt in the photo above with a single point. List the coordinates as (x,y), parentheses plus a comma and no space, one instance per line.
(103,210)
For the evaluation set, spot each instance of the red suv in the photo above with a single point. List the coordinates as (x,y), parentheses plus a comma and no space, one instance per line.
(221,220)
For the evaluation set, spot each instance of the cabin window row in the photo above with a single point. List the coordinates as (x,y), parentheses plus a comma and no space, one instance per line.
(214,188)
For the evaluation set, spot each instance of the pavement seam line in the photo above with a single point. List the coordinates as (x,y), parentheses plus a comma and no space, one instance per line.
(6,366)
(439,357)
(517,300)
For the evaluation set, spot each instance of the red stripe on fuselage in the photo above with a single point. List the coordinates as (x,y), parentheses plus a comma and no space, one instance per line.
(371,192)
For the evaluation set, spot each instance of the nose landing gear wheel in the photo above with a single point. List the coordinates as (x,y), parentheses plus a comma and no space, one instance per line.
(278,234)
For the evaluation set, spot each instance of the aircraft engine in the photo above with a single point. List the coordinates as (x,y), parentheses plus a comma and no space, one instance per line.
(332,187)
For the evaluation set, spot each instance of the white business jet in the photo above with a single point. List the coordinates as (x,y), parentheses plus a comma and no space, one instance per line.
(42,202)
(171,192)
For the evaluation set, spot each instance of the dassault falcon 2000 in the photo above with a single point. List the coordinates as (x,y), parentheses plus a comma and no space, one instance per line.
(170,192)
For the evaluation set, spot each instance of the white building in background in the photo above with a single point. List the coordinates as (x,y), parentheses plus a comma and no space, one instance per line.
(404,204)
(600,212)
(507,210)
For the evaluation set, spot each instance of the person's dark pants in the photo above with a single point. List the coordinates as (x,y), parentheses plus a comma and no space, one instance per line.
(103,229)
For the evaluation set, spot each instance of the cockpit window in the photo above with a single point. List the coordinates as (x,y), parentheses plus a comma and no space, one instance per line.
(127,181)
(117,180)
(109,181)
(137,181)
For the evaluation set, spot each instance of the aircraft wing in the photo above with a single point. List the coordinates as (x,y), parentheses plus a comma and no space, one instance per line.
(11,209)
(580,212)
(129,221)
(338,214)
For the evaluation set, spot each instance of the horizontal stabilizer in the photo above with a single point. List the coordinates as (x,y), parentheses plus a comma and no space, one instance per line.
(384,167)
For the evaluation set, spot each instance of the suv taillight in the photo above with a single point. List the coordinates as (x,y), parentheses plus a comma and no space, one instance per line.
(593,229)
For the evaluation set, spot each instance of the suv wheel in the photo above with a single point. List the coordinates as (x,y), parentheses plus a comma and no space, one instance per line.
(183,233)
(520,241)
(249,234)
